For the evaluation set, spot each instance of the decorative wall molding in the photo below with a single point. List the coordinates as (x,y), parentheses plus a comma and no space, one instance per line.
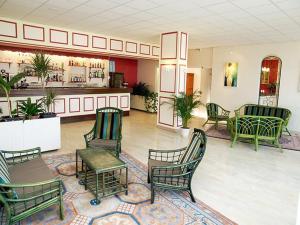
(103,105)
(111,99)
(182,78)
(74,105)
(8,29)
(169,45)
(85,104)
(166,114)
(126,99)
(57,102)
(167,78)
(33,33)
(19,34)
(183,45)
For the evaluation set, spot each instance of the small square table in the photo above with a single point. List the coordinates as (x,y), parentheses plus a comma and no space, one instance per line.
(101,172)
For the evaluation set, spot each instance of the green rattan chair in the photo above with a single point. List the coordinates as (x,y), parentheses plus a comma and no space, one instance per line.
(27,185)
(256,128)
(216,114)
(107,131)
(174,169)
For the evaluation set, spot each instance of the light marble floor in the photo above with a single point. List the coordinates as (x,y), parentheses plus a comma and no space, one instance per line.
(251,188)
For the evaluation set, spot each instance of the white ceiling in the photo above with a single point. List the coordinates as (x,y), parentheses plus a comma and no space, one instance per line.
(209,22)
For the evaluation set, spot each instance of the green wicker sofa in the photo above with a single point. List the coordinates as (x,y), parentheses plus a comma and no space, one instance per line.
(261,110)
(27,185)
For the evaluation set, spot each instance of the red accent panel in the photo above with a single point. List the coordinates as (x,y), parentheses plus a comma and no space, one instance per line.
(3,35)
(182,33)
(56,42)
(153,51)
(161,65)
(87,39)
(128,67)
(70,105)
(175,32)
(64,105)
(171,125)
(97,102)
(89,110)
(125,96)
(116,49)
(109,97)
(33,39)
(141,49)
(131,43)
(273,65)
(101,38)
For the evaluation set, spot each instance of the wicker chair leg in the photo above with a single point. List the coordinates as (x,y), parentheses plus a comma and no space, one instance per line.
(191,194)
(205,123)
(152,193)
(61,209)
(256,144)
(287,130)
(233,141)
(148,178)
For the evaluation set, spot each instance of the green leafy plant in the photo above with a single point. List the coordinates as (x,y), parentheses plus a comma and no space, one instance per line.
(41,66)
(140,89)
(185,104)
(7,87)
(29,109)
(48,100)
(151,102)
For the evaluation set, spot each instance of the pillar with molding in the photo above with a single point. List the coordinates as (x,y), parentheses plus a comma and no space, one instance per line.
(172,76)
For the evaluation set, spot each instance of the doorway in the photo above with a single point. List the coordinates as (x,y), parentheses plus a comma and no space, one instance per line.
(189,83)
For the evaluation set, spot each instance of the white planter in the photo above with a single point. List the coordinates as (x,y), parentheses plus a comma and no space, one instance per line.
(184,132)
(138,102)
(18,135)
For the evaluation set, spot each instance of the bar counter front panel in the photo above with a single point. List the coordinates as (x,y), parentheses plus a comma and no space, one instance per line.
(71,102)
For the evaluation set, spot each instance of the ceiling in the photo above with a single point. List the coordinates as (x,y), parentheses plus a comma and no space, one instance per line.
(210,23)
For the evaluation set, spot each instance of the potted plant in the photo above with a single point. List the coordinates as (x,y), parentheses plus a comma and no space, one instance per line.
(151,102)
(184,105)
(142,98)
(41,65)
(30,110)
(7,86)
(48,100)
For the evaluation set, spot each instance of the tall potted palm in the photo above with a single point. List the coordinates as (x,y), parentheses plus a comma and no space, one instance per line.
(7,86)
(48,100)
(41,66)
(184,105)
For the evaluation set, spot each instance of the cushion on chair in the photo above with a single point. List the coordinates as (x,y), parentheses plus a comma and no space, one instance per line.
(193,148)
(31,171)
(108,125)
(106,144)
(152,162)
(4,174)
(212,109)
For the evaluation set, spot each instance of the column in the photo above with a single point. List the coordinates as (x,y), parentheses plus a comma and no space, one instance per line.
(172,78)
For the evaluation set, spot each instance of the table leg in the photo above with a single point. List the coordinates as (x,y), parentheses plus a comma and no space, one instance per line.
(126,193)
(85,178)
(96,201)
(76,164)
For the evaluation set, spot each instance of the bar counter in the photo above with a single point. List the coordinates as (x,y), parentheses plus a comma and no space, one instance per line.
(74,103)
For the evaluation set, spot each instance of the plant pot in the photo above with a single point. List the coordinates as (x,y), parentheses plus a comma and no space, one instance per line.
(34,117)
(184,132)
(8,118)
(48,115)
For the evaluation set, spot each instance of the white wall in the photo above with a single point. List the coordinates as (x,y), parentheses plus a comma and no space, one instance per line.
(249,59)
(147,73)
(198,58)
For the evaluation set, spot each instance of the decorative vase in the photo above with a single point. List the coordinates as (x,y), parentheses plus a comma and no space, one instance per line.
(184,132)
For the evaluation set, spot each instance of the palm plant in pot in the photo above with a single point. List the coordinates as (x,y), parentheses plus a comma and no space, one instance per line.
(184,105)
(30,110)
(41,66)
(6,87)
(48,100)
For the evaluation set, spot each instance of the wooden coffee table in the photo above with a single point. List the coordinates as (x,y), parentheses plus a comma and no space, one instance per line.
(101,172)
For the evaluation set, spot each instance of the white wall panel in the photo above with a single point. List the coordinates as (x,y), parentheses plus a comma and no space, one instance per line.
(80,39)
(168,78)
(166,111)
(58,36)
(99,42)
(34,33)
(169,45)
(8,29)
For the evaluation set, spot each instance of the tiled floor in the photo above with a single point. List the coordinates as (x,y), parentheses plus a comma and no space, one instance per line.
(248,187)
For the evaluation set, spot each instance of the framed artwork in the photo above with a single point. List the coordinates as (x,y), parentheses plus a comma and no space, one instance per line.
(231,74)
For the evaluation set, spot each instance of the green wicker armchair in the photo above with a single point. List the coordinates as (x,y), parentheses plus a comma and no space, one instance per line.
(216,114)
(174,169)
(27,185)
(256,128)
(107,131)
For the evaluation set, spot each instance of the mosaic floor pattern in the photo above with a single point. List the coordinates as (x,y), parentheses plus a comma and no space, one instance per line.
(169,208)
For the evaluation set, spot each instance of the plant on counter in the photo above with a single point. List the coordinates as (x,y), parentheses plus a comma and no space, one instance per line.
(41,66)
(151,102)
(184,105)
(140,89)
(6,86)
(48,100)
(30,110)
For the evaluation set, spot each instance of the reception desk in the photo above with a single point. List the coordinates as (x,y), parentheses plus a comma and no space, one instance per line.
(74,103)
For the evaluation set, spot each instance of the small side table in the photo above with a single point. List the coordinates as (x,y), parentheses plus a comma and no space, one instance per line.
(101,172)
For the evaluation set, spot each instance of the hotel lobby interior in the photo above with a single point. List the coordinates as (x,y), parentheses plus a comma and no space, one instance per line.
(139,112)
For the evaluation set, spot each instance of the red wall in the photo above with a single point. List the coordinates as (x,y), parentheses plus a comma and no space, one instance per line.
(273,65)
(128,67)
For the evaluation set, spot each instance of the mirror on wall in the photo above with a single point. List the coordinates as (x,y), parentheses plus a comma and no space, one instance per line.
(269,81)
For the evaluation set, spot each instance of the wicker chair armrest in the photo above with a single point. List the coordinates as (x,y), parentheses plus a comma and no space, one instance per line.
(166,155)
(89,136)
(15,157)
(224,112)
(45,188)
